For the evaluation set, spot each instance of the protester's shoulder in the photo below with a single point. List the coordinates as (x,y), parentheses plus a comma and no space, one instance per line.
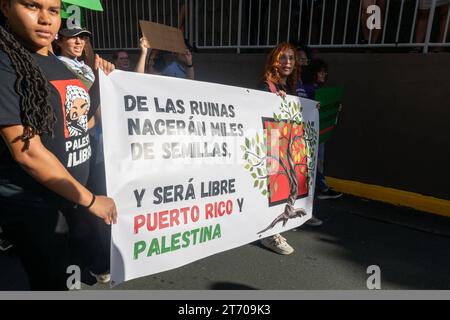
(5,64)
(9,102)
(8,76)
(65,60)
(53,68)
(49,59)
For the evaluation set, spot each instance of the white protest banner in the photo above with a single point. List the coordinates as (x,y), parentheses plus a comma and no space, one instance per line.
(198,168)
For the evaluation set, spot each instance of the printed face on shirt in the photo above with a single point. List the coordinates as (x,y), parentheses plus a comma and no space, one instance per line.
(34,22)
(79,109)
(75,105)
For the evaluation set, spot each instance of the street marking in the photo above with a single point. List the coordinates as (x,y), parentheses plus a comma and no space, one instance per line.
(392,196)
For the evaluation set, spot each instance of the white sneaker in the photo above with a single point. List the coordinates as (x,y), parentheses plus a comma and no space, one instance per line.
(314,222)
(278,244)
(102,278)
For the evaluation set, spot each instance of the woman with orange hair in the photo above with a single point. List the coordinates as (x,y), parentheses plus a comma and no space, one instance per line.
(281,71)
(280,77)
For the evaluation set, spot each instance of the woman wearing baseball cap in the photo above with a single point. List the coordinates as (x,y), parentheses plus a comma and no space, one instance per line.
(70,49)
(90,239)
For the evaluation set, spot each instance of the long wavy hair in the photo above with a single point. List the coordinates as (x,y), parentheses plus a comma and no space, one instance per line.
(273,65)
(31,86)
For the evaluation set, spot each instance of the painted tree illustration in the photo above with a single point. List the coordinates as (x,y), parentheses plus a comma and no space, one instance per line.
(287,149)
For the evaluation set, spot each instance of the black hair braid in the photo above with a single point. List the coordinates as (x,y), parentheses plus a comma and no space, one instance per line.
(32,87)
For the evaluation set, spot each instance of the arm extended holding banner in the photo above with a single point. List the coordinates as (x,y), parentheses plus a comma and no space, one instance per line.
(46,169)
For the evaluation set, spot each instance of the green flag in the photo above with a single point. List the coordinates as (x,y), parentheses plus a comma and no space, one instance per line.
(330,99)
(64,13)
(88,4)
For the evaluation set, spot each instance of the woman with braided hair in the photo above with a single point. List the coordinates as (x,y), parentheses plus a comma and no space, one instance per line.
(44,163)
(71,48)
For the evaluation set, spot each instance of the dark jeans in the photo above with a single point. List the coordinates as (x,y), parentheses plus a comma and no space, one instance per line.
(41,241)
(89,240)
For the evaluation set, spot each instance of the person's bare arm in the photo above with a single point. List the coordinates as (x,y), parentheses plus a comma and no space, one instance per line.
(45,168)
(189,65)
(140,67)
(103,64)
(107,68)
(91,123)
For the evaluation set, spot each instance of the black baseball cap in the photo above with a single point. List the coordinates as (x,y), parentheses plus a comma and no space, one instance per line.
(73,32)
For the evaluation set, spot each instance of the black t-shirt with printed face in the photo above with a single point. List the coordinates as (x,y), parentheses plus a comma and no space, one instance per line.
(70,142)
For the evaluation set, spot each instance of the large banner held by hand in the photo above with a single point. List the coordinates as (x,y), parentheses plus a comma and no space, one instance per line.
(198,168)
(330,99)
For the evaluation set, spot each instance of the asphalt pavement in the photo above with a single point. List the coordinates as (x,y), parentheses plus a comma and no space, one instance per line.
(410,248)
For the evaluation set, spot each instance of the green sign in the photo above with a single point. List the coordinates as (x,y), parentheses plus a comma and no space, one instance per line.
(88,4)
(330,99)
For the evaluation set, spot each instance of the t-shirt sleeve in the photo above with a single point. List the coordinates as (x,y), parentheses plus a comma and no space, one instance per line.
(10,100)
(173,70)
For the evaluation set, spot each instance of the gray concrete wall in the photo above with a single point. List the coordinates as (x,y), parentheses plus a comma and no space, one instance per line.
(394,129)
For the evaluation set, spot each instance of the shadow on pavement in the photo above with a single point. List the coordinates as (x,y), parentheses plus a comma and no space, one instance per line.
(230,286)
(407,256)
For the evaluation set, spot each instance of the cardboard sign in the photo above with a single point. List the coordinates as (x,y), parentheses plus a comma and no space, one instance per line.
(163,37)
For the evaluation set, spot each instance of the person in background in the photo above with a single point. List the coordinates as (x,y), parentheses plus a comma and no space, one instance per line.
(442,7)
(121,60)
(148,59)
(306,90)
(313,79)
(280,77)
(89,238)
(304,57)
(178,65)
(70,47)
